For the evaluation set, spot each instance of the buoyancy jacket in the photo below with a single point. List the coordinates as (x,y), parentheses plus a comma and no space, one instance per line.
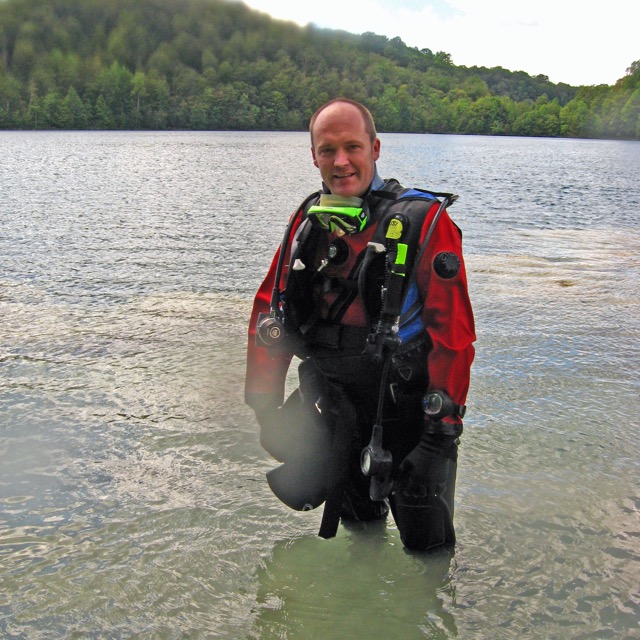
(331,297)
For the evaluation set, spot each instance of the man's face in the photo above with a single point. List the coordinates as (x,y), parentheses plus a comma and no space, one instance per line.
(343,150)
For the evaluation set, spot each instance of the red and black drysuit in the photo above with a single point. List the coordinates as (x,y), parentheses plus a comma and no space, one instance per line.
(330,307)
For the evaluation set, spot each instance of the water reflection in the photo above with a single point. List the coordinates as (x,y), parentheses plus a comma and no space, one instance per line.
(360,584)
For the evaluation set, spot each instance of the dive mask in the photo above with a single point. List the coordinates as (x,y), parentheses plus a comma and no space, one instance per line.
(339,214)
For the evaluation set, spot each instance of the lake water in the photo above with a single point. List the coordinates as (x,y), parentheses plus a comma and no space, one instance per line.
(133,502)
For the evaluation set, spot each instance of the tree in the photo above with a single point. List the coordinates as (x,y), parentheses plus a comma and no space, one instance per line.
(488,115)
(574,118)
(63,67)
(630,116)
(24,57)
(436,114)
(475,87)
(114,85)
(103,118)
(73,113)
(51,112)
(631,80)
(10,98)
(541,119)
(611,113)
(139,89)
(157,112)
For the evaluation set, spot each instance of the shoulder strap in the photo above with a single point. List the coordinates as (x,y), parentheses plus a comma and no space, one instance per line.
(275,293)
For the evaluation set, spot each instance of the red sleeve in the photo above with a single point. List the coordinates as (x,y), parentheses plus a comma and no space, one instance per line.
(265,375)
(447,312)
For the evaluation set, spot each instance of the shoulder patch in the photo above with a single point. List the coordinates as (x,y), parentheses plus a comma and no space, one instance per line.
(446,264)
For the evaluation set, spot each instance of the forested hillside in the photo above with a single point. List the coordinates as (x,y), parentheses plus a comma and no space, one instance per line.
(215,64)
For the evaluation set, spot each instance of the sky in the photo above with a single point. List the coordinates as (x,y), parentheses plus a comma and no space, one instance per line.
(579,42)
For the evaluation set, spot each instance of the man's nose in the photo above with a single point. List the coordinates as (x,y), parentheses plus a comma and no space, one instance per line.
(341,158)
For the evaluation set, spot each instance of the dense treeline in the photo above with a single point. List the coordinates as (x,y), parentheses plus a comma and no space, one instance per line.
(212,64)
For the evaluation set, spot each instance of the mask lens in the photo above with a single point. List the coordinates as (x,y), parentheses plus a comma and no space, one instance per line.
(336,223)
(323,219)
(343,219)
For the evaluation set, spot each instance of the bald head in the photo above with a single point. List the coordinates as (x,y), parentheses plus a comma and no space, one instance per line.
(369,124)
(344,147)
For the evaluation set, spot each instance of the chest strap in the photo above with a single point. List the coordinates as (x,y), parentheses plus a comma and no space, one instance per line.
(337,337)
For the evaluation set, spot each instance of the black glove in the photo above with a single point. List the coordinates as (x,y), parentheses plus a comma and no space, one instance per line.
(425,470)
(265,406)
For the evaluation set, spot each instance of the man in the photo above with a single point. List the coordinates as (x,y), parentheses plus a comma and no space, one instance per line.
(369,290)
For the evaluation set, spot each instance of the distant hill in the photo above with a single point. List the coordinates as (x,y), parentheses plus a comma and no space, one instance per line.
(214,64)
